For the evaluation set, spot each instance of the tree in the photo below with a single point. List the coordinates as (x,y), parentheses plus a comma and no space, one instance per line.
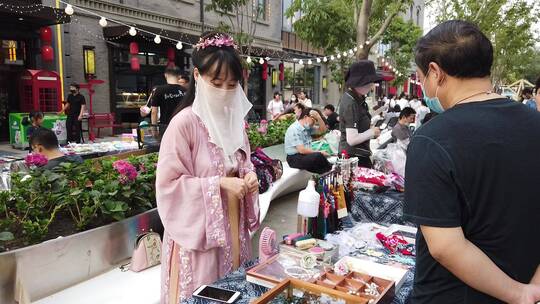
(509,26)
(242,16)
(333,27)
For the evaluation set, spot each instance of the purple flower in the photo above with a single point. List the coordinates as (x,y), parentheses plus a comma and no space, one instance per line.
(35,159)
(127,171)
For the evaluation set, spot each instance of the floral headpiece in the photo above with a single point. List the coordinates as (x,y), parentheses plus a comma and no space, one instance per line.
(218,40)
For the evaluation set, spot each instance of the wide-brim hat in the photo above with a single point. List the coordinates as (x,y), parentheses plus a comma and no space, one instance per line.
(362,73)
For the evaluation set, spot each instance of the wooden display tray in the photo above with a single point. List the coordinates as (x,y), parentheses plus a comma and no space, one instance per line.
(339,290)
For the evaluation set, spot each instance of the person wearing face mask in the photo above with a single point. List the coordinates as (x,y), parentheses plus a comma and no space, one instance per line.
(303,99)
(206,187)
(74,108)
(402,130)
(478,215)
(298,143)
(355,120)
(45,142)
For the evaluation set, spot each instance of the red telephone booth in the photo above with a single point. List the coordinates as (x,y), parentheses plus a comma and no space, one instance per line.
(40,90)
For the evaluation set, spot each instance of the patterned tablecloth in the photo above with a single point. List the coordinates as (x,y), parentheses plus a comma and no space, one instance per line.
(384,208)
(237,281)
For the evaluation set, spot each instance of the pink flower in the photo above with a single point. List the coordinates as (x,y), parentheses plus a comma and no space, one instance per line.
(246,125)
(127,171)
(142,168)
(218,40)
(35,159)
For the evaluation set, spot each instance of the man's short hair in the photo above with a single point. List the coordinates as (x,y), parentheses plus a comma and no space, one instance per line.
(173,70)
(75,85)
(458,47)
(185,76)
(305,112)
(330,107)
(527,91)
(406,112)
(300,106)
(45,137)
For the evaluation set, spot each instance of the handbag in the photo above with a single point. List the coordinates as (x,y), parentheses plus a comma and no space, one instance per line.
(147,252)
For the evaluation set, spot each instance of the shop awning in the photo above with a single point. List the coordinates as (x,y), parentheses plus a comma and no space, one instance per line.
(23,23)
(386,75)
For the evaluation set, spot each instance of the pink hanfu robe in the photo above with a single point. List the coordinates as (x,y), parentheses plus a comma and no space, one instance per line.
(197,245)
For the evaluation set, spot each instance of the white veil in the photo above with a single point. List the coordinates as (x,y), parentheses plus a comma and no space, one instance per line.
(223,113)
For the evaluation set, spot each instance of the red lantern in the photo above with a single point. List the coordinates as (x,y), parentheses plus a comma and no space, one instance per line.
(135,65)
(281,72)
(45,34)
(47,53)
(265,71)
(133,48)
(171,55)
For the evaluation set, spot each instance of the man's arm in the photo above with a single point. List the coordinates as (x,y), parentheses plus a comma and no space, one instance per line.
(154,115)
(83,108)
(322,125)
(304,150)
(467,262)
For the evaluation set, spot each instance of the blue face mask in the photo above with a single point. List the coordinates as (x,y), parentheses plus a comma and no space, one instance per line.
(433,103)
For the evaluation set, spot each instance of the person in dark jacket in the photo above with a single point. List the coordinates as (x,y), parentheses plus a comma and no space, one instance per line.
(45,142)
(355,120)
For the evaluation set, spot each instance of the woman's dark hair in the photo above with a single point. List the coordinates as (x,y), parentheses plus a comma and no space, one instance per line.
(300,106)
(277,93)
(184,76)
(204,59)
(330,107)
(408,111)
(458,47)
(35,115)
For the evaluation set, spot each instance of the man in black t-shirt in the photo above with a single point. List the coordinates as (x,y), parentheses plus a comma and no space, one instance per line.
(331,117)
(472,179)
(167,97)
(45,142)
(74,109)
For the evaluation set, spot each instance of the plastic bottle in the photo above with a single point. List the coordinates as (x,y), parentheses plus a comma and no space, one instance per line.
(308,201)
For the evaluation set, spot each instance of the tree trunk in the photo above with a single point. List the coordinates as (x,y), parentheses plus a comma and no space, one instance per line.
(362,29)
(362,54)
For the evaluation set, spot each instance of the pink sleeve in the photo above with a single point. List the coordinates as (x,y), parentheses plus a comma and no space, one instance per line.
(251,201)
(190,207)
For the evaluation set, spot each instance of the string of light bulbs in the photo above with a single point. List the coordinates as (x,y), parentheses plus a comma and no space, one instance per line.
(158,38)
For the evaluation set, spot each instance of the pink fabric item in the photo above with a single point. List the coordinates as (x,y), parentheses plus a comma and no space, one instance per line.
(193,209)
(138,260)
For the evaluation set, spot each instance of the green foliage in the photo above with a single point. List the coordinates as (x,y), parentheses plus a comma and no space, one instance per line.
(274,135)
(88,193)
(508,24)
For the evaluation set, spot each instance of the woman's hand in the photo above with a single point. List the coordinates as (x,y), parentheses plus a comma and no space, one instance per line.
(252,182)
(235,186)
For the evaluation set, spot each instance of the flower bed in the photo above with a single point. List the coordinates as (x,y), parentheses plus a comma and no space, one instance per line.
(45,204)
(266,134)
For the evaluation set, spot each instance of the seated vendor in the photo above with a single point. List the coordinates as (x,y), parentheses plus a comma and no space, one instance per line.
(402,129)
(45,142)
(298,144)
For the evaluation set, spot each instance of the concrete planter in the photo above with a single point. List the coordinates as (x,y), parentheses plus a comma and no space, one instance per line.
(31,273)
(276,152)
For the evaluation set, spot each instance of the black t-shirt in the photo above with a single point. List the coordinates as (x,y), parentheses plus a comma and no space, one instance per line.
(167,98)
(55,162)
(75,103)
(354,114)
(333,122)
(476,166)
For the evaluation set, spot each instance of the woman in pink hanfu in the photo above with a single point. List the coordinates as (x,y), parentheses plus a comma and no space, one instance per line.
(207,191)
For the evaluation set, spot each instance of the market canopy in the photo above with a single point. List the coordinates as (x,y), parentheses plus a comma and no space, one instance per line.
(23,22)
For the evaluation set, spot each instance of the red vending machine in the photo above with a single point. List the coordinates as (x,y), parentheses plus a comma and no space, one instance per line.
(40,90)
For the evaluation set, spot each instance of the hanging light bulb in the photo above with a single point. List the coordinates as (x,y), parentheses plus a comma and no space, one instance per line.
(248,60)
(157,39)
(179,45)
(261,61)
(390,67)
(361,47)
(382,60)
(267,58)
(332,57)
(132,31)
(309,62)
(356,49)
(325,59)
(69,9)
(318,60)
(338,56)
(351,52)
(367,42)
(103,22)
(301,62)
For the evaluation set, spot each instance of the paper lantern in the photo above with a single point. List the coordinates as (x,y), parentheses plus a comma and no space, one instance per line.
(281,72)
(45,35)
(133,48)
(135,64)
(47,53)
(171,55)
(265,71)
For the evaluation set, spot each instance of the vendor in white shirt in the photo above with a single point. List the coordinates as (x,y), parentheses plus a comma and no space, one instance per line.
(403,102)
(275,106)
